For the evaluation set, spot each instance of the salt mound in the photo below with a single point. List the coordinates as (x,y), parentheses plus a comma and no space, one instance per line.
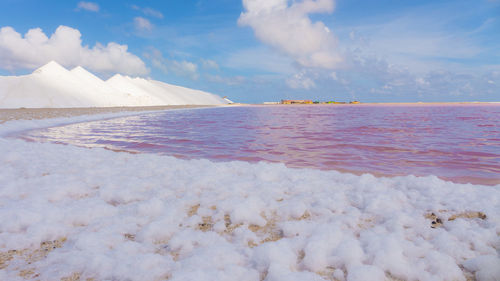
(86,76)
(101,91)
(156,92)
(49,86)
(191,96)
(52,68)
(54,86)
(133,92)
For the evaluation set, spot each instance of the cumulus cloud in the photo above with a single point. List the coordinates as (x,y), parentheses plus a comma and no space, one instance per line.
(186,67)
(141,23)
(182,68)
(375,79)
(288,28)
(65,47)
(301,81)
(88,6)
(338,79)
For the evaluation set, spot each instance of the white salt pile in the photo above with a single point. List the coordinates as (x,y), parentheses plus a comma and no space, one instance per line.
(70,213)
(54,86)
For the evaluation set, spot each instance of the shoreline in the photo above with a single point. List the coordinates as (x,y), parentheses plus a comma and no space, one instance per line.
(389,104)
(9,114)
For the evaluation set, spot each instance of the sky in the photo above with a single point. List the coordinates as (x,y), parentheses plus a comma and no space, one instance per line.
(254,51)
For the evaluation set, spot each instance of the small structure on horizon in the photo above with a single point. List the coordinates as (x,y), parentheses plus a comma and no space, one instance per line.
(227,100)
(334,102)
(296,102)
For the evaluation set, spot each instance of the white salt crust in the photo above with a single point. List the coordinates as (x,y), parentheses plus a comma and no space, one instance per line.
(122,216)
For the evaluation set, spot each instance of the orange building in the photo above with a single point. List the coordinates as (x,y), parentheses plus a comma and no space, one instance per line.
(296,102)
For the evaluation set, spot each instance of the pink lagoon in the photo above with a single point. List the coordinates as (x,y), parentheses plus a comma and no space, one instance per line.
(455,142)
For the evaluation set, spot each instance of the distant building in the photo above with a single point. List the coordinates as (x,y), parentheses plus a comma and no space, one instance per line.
(354,102)
(296,102)
(271,102)
(334,102)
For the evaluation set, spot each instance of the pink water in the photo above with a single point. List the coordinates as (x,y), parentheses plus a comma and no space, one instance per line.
(460,143)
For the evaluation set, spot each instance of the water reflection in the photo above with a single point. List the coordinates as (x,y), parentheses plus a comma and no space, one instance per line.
(459,143)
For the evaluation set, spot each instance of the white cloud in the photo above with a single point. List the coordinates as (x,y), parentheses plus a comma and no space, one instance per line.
(209,64)
(88,6)
(141,23)
(152,13)
(65,47)
(334,76)
(182,68)
(230,81)
(186,67)
(149,11)
(436,36)
(289,29)
(301,81)
(338,79)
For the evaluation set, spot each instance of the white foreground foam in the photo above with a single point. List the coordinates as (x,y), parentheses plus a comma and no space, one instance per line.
(150,217)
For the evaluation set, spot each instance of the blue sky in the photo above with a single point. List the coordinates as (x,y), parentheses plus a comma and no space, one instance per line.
(255,51)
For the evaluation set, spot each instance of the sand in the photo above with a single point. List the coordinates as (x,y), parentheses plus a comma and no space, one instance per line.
(42,113)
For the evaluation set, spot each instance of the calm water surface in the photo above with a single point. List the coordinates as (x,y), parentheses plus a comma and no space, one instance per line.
(455,142)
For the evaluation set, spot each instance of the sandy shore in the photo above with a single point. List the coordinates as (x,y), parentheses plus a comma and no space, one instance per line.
(42,113)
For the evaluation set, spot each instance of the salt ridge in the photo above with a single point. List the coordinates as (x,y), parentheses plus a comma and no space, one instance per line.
(53,86)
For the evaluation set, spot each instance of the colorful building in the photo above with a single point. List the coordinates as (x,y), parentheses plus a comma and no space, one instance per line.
(296,102)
